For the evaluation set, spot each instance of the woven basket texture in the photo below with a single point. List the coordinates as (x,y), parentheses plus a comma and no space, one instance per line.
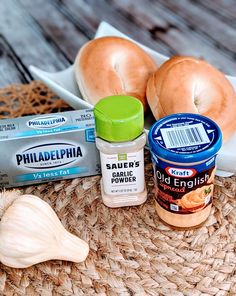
(131,251)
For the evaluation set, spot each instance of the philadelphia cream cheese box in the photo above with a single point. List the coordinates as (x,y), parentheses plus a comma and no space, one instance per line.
(43,148)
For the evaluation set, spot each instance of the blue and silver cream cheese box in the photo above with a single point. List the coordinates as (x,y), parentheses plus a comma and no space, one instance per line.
(43,148)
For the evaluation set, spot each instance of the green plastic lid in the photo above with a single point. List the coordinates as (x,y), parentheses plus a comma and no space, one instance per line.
(119,118)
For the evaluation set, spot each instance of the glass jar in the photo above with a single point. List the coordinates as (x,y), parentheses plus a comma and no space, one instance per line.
(183,149)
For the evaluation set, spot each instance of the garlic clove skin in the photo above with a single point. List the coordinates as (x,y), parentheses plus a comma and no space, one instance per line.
(73,253)
(6,199)
(30,232)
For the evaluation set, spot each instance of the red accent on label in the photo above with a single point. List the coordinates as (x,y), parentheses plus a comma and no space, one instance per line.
(180,173)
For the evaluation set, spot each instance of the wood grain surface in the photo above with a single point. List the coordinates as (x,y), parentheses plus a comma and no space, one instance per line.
(132,253)
(48,34)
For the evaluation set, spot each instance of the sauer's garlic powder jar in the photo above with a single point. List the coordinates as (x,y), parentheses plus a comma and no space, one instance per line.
(183,149)
(120,139)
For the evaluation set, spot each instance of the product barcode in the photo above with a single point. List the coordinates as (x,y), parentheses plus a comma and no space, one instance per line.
(183,136)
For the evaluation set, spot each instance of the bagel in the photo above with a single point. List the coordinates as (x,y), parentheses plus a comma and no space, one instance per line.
(190,85)
(112,65)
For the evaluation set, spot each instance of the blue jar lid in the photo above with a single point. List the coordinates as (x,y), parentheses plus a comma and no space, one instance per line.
(185,138)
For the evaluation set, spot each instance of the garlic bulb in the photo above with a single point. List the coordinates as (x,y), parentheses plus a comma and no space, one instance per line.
(30,232)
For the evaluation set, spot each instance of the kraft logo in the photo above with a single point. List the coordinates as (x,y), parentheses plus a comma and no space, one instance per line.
(181,173)
(48,121)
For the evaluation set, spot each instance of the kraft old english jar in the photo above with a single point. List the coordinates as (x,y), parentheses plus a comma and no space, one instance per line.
(183,148)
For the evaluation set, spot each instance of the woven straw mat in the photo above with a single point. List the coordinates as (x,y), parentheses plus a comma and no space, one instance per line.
(131,251)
